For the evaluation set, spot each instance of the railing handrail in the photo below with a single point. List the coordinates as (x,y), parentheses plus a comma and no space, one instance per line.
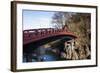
(41,30)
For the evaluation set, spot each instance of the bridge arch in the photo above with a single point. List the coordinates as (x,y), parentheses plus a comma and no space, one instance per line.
(39,34)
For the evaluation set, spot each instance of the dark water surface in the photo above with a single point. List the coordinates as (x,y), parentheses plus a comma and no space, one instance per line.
(48,55)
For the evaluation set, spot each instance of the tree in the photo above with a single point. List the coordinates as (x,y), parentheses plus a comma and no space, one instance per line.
(82,22)
(79,24)
(60,19)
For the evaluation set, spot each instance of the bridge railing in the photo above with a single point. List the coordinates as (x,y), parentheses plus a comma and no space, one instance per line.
(38,33)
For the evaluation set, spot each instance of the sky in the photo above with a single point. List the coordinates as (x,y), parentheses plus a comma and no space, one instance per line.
(37,19)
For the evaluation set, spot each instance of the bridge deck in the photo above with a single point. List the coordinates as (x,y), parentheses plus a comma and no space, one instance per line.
(38,34)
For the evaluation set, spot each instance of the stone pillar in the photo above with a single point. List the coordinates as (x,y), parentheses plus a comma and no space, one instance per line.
(69,55)
(72,44)
(68,50)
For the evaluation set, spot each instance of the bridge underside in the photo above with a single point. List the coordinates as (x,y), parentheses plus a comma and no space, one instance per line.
(30,47)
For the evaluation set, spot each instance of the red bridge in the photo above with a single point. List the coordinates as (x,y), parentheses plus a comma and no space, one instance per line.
(33,35)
